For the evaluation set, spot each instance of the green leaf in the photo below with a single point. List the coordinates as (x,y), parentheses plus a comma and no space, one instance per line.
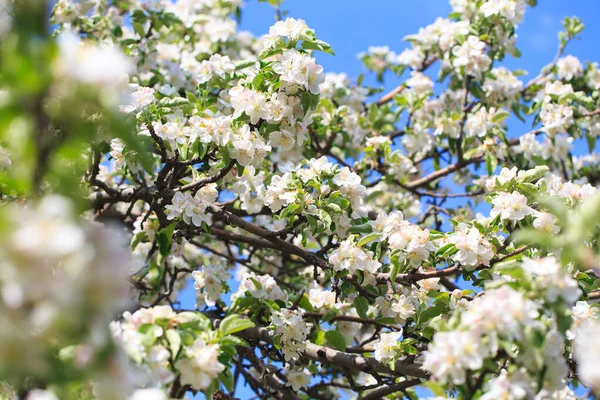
(395,270)
(138,238)
(362,228)
(328,316)
(446,248)
(528,189)
(174,342)
(325,218)
(532,175)
(241,64)
(165,239)
(193,320)
(336,340)
(173,102)
(317,44)
(368,238)
(500,116)
(319,337)
(225,157)
(227,379)
(362,306)
(591,142)
(233,323)
(491,162)
(430,313)
(305,303)
(139,29)
(234,341)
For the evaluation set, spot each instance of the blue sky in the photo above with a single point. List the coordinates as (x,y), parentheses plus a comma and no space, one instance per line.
(351,26)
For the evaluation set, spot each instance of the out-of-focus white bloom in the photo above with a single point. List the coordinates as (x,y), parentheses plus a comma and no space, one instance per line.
(5,161)
(201,364)
(419,141)
(480,122)
(49,233)
(158,361)
(593,76)
(569,67)
(419,83)
(545,222)
(501,311)
(298,378)
(556,118)
(148,394)
(38,394)
(529,146)
(583,314)
(89,63)
(320,298)
(562,394)
(512,10)
(514,387)
(551,276)
(411,57)
(505,86)
(557,148)
(586,350)
(60,278)
(451,354)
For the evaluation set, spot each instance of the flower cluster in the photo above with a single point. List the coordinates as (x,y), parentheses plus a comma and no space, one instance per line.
(473,248)
(201,365)
(61,280)
(292,332)
(500,313)
(349,257)
(193,209)
(409,241)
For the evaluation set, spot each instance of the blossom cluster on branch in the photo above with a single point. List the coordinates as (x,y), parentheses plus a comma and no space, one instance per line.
(436,241)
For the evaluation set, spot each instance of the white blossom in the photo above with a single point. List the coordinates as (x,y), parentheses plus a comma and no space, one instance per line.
(569,67)
(385,347)
(201,365)
(350,258)
(512,206)
(471,55)
(473,248)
